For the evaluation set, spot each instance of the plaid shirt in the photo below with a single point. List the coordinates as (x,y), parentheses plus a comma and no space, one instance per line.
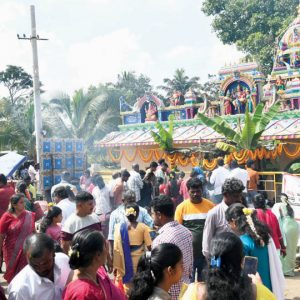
(177,234)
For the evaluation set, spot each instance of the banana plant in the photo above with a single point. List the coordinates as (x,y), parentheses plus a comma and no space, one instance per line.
(164,137)
(246,137)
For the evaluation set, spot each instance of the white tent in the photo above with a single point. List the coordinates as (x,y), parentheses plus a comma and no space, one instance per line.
(10,162)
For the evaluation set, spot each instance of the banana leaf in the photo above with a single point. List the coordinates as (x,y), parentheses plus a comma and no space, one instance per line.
(248,131)
(220,126)
(226,147)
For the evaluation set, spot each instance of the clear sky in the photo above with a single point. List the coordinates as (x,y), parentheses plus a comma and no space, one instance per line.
(91,41)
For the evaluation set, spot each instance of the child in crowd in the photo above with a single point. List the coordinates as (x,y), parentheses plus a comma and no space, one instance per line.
(129,244)
(51,223)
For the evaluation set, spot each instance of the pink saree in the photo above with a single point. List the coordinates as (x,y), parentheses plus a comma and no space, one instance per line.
(15,231)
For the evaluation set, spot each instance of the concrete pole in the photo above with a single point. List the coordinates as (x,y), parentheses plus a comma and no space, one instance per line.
(36,85)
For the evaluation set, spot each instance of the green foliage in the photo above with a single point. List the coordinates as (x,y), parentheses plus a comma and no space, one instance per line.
(132,86)
(164,137)
(180,83)
(247,137)
(87,115)
(253,25)
(17,81)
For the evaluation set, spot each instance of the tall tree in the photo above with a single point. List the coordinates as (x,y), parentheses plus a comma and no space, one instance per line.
(133,86)
(180,83)
(253,25)
(17,81)
(86,115)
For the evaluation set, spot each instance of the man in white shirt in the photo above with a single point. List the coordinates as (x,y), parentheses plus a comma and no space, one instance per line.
(31,171)
(240,174)
(217,179)
(46,274)
(162,172)
(68,207)
(65,181)
(135,182)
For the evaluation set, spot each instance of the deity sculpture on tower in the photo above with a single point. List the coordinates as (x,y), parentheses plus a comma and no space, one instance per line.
(151,112)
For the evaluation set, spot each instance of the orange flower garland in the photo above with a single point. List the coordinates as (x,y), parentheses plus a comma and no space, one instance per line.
(146,155)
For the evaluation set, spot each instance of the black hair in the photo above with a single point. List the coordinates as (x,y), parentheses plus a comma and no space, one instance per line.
(100,182)
(83,196)
(259,201)
(37,243)
(150,270)
(153,164)
(164,164)
(164,205)
(289,209)
(174,188)
(220,161)
(132,217)
(227,281)
(142,173)
(125,173)
(250,162)
(21,187)
(161,160)
(3,179)
(181,174)
(27,177)
(14,199)
(87,171)
(194,183)
(160,180)
(234,164)
(193,174)
(53,212)
(232,185)
(116,175)
(85,245)
(257,230)
(61,192)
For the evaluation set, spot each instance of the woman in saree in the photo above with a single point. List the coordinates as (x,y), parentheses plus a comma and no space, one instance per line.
(130,241)
(15,225)
(290,231)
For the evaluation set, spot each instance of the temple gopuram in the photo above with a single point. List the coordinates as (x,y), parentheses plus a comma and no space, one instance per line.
(241,86)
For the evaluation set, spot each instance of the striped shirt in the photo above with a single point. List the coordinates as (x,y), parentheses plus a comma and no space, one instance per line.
(176,234)
(192,216)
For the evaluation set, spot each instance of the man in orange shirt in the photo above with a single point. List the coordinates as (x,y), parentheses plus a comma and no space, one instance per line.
(253,180)
(192,213)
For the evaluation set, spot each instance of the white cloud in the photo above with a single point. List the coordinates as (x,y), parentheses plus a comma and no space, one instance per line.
(103,57)
(179,52)
(10,11)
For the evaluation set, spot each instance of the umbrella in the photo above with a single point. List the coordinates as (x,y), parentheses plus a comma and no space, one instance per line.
(10,162)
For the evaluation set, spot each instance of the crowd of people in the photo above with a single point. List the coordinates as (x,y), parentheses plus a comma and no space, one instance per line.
(147,234)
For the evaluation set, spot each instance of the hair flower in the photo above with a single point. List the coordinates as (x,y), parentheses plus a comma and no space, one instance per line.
(50,204)
(247,211)
(130,212)
(215,262)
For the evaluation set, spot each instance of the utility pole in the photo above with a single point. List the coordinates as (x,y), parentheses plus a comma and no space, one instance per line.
(36,81)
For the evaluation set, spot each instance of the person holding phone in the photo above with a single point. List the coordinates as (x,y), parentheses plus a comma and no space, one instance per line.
(225,278)
(257,242)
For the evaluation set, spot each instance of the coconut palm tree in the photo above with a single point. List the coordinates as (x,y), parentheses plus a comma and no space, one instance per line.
(17,127)
(246,137)
(84,115)
(180,83)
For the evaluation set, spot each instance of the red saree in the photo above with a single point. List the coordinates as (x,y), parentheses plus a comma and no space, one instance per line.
(15,231)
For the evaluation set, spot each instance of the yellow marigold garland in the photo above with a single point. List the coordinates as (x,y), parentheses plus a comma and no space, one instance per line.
(112,156)
(128,158)
(145,158)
